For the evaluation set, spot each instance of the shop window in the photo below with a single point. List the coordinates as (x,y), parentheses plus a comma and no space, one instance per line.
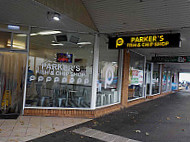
(60,69)
(136,76)
(156,79)
(174,81)
(19,41)
(107,86)
(5,40)
(148,78)
(164,81)
(169,81)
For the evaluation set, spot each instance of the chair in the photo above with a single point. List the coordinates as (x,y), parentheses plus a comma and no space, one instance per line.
(80,96)
(63,96)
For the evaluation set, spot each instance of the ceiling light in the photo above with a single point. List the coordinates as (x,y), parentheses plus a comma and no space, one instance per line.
(84,43)
(114,62)
(13,27)
(56,17)
(57,44)
(49,32)
(21,35)
(53,16)
(33,34)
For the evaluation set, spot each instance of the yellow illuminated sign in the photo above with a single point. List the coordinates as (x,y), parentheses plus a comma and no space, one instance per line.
(145,41)
(119,42)
(148,41)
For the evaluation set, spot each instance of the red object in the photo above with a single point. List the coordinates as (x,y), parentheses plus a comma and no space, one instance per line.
(62,59)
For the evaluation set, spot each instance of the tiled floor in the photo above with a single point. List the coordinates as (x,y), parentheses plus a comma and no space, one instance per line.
(29,127)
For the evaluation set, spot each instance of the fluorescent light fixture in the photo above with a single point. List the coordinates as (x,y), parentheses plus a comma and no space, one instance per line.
(57,44)
(21,35)
(33,34)
(56,17)
(16,46)
(49,32)
(114,62)
(13,27)
(84,43)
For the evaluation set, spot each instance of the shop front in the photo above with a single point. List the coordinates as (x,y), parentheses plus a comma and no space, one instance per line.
(69,74)
(58,73)
(153,78)
(13,56)
(136,76)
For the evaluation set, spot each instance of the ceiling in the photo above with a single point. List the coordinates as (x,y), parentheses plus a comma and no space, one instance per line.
(124,17)
(127,17)
(31,13)
(138,15)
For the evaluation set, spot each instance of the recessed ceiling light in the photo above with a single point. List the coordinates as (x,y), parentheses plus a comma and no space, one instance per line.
(56,17)
(84,43)
(53,16)
(49,32)
(21,35)
(57,44)
(33,34)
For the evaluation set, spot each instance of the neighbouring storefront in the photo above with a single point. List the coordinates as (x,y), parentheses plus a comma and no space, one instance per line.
(174,81)
(13,60)
(153,79)
(136,76)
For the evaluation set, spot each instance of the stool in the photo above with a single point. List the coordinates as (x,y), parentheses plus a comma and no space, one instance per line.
(60,100)
(103,99)
(108,98)
(43,100)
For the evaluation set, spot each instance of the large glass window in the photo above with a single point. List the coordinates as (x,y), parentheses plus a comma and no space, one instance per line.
(19,41)
(148,78)
(156,79)
(169,81)
(5,39)
(59,69)
(174,81)
(164,81)
(12,74)
(136,76)
(107,87)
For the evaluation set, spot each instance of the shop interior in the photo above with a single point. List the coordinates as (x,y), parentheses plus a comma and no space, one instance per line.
(60,69)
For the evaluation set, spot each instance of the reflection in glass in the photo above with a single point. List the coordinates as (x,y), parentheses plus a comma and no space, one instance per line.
(156,79)
(107,85)
(12,74)
(136,76)
(148,78)
(19,41)
(169,81)
(164,81)
(59,73)
(5,39)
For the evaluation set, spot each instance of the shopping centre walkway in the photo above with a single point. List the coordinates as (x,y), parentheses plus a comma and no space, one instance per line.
(30,127)
(166,119)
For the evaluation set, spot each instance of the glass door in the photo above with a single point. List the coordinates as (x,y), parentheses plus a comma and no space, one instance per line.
(148,79)
(12,76)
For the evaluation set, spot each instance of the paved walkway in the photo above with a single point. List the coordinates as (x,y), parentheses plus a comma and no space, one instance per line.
(166,119)
(29,127)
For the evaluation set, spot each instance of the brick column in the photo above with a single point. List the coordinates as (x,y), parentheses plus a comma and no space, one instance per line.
(125,79)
